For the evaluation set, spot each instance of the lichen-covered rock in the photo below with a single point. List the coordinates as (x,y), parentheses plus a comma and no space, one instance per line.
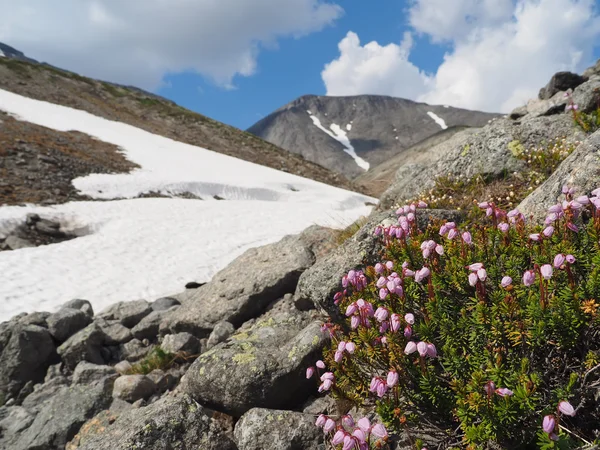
(587,95)
(88,373)
(128,313)
(547,106)
(133,387)
(243,289)
(220,333)
(171,423)
(85,345)
(66,322)
(581,170)
(26,354)
(260,429)
(180,343)
(61,416)
(164,381)
(263,365)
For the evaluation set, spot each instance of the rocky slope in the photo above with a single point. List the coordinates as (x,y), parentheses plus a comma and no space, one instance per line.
(327,130)
(150,112)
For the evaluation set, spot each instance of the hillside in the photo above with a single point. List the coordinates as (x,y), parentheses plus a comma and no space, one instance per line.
(349,135)
(150,112)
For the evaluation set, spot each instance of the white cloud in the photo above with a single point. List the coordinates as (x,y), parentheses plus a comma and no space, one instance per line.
(500,56)
(139,41)
(374,69)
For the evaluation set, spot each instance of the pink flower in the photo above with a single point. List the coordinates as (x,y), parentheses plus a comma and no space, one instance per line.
(439,249)
(379,268)
(381,314)
(489,387)
(506,281)
(421,274)
(535,237)
(410,318)
(452,233)
(350,443)
(407,332)
(310,372)
(338,437)
(583,199)
(389,265)
(556,209)
(546,270)
(559,260)
(360,436)
(504,392)
(411,347)
(347,421)
(392,378)
(379,431)
(383,293)
(364,425)
(472,278)
(484,205)
(329,425)
(381,282)
(570,259)
(320,364)
(354,322)
(351,309)
(341,346)
(503,227)
(548,424)
(382,389)
(395,322)
(482,274)
(431,351)
(350,347)
(571,226)
(475,267)
(566,408)
(467,238)
(321,420)
(528,277)
(548,231)
(443,230)
(422,348)
(338,356)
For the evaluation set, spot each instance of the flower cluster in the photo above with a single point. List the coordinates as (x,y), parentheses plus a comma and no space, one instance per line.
(351,435)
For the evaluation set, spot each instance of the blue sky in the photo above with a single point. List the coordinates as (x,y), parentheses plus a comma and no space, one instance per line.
(237,61)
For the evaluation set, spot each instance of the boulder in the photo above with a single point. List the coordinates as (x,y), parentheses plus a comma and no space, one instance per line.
(546,107)
(135,350)
(85,345)
(164,303)
(128,313)
(43,392)
(587,95)
(581,170)
(180,343)
(66,322)
(243,289)
(13,420)
(593,70)
(114,332)
(220,333)
(17,243)
(133,387)
(148,326)
(560,82)
(259,429)
(82,305)
(88,373)
(62,415)
(123,367)
(173,422)
(38,318)
(26,356)
(263,365)
(164,381)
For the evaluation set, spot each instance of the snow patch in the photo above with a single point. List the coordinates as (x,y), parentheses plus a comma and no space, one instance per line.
(150,247)
(349,127)
(446,106)
(340,135)
(2,55)
(437,120)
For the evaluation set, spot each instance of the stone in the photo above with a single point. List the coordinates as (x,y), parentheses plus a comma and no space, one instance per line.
(259,429)
(593,70)
(17,243)
(85,345)
(133,387)
(13,420)
(115,332)
(134,350)
(546,107)
(49,228)
(581,169)
(560,82)
(128,313)
(88,373)
(173,422)
(220,333)
(66,322)
(321,405)
(36,318)
(148,326)
(587,95)
(164,381)
(180,343)
(32,218)
(518,112)
(43,392)
(26,356)
(320,283)
(164,303)
(62,415)
(269,272)
(263,365)
(123,367)
(194,285)
(82,305)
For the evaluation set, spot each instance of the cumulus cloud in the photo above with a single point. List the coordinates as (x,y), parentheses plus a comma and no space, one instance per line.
(502,52)
(139,41)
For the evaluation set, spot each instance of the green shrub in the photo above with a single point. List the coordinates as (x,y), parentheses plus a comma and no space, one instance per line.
(156,359)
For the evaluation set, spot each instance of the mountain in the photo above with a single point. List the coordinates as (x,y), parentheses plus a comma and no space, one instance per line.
(350,135)
(22,75)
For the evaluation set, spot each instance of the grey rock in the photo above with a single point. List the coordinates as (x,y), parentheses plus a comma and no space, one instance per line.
(164,381)
(260,429)
(269,272)
(320,283)
(148,326)
(13,420)
(587,95)
(128,313)
(133,387)
(546,107)
(114,331)
(85,345)
(53,371)
(32,218)
(26,356)
(43,392)
(180,343)
(164,303)
(66,322)
(50,228)
(16,243)
(61,417)
(134,350)
(518,112)
(82,305)
(561,81)
(123,367)
(168,424)
(88,373)
(263,365)
(36,318)
(593,70)
(220,333)
(320,405)
(581,170)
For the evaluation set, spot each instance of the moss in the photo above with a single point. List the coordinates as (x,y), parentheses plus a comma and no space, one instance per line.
(157,359)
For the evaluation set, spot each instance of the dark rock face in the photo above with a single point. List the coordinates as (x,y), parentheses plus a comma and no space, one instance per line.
(262,365)
(260,429)
(561,81)
(243,289)
(85,345)
(170,423)
(66,322)
(380,128)
(128,313)
(26,354)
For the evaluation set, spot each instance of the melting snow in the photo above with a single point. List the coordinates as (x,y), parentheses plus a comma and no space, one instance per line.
(150,247)
(1,54)
(340,135)
(349,127)
(438,120)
